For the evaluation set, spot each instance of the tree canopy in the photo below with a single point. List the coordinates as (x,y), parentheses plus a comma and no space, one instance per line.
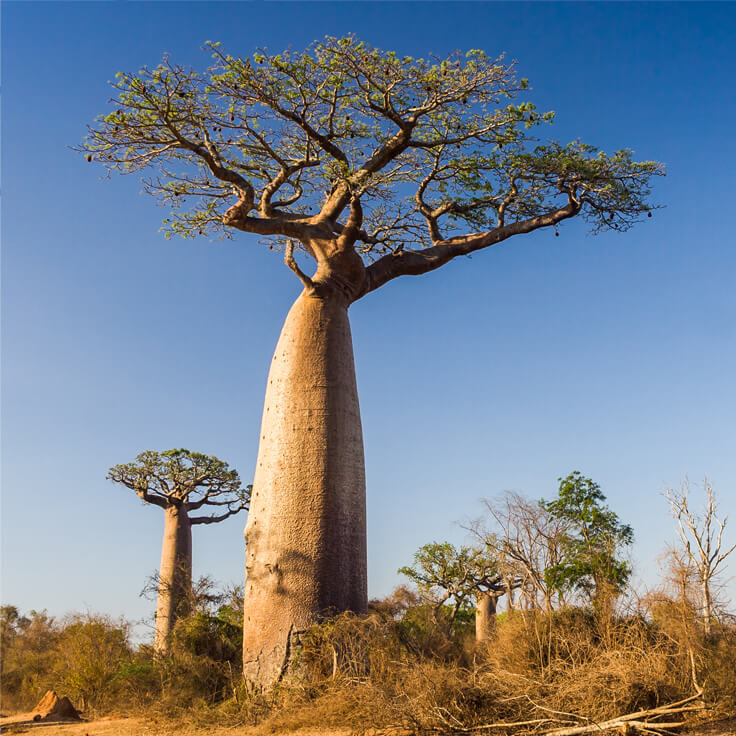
(437,154)
(443,572)
(592,541)
(186,479)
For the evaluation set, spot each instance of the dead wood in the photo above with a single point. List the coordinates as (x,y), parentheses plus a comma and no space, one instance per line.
(630,723)
(638,721)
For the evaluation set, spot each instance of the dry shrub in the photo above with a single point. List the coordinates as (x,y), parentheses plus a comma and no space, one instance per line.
(28,644)
(375,671)
(400,665)
(362,672)
(568,661)
(84,656)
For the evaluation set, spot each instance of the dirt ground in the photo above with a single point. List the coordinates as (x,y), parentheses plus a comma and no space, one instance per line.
(20,724)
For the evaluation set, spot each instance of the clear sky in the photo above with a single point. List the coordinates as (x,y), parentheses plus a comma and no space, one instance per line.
(614,355)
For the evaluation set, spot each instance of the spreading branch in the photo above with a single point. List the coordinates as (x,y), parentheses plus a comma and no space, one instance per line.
(437,154)
(186,480)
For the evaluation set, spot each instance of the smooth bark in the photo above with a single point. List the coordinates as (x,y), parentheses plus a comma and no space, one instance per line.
(306,535)
(175,575)
(485,617)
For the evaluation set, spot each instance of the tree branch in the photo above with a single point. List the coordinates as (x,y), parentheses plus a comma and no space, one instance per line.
(216,519)
(294,266)
(416,262)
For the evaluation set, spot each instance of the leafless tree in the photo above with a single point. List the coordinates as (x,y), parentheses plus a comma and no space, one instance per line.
(701,535)
(526,539)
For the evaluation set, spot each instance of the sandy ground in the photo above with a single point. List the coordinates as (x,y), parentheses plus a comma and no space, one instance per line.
(20,724)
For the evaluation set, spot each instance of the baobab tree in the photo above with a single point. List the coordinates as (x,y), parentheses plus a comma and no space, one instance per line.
(180,482)
(373,166)
(701,536)
(451,577)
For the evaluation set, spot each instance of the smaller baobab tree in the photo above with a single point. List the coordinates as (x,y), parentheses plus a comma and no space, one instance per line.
(701,535)
(447,576)
(180,482)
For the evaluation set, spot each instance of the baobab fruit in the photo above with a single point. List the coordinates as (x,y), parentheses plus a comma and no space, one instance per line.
(89,158)
(557,235)
(649,214)
(232,117)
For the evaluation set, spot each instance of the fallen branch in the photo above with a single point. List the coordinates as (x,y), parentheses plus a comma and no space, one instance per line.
(500,724)
(632,722)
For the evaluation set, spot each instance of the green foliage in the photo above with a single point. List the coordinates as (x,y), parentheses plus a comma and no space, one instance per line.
(592,542)
(443,573)
(181,476)
(438,140)
(205,652)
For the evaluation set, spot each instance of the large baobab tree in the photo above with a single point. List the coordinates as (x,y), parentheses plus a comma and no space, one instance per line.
(180,482)
(372,166)
(701,536)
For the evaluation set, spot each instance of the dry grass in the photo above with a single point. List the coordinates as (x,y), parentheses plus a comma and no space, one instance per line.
(403,670)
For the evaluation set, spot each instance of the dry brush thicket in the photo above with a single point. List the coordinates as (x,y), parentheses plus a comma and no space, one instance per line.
(567,668)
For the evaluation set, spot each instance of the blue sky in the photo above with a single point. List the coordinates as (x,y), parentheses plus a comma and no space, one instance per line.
(614,355)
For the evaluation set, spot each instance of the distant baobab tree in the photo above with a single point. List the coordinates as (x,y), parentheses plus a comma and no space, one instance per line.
(448,578)
(373,166)
(180,482)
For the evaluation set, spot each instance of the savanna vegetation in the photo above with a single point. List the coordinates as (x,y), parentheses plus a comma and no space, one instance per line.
(571,644)
(368,166)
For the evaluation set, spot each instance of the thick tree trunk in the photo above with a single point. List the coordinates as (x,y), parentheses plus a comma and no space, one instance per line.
(485,617)
(305,535)
(175,575)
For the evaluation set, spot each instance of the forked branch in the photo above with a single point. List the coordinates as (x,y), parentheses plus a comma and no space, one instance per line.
(290,261)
